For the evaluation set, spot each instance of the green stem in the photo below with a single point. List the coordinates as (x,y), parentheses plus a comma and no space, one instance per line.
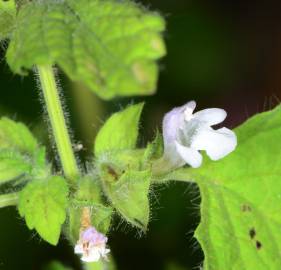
(8,199)
(58,124)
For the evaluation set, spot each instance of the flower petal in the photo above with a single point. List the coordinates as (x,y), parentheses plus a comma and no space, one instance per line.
(78,249)
(92,244)
(189,107)
(174,119)
(104,252)
(172,156)
(89,235)
(211,116)
(93,255)
(217,143)
(189,155)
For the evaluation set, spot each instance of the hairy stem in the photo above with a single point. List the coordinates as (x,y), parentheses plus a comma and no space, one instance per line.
(8,199)
(58,124)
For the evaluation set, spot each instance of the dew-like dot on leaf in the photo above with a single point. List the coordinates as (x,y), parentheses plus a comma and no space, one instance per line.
(246,208)
(258,245)
(252,233)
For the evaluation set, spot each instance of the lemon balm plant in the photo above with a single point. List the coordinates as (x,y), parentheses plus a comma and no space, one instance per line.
(112,47)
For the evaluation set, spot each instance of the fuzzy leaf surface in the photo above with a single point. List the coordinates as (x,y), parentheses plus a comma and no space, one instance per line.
(15,135)
(43,205)
(13,165)
(241,199)
(120,131)
(129,195)
(111,46)
(20,153)
(153,150)
(7,18)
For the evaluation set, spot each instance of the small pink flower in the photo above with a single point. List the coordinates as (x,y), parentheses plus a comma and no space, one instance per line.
(92,245)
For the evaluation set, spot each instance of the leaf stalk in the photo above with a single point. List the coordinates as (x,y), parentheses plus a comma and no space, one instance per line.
(9,199)
(58,123)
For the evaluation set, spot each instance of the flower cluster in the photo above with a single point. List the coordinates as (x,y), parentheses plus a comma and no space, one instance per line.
(92,245)
(185,134)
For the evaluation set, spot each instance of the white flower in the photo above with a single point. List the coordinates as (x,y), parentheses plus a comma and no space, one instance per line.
(92,245)
(185,134)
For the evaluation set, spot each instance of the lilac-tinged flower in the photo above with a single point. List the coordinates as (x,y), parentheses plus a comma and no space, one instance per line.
(185,134)
(92,245)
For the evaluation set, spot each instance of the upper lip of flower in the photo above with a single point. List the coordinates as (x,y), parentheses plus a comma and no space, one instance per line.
(186,133)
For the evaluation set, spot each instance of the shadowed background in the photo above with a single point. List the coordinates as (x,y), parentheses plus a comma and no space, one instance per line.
(220,53)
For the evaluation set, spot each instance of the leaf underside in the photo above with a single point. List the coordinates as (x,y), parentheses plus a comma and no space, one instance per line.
(111,46)
(7,18)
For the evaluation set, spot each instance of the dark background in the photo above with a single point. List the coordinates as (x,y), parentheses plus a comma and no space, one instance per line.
(220,53)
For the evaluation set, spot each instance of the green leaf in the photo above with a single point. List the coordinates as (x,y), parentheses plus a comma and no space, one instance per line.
(13,165)
(43,205)
(20,154)
(129,195)
(241,199)
(7,17)
(17,136)
(120,131)
(111,46)
(153,150)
